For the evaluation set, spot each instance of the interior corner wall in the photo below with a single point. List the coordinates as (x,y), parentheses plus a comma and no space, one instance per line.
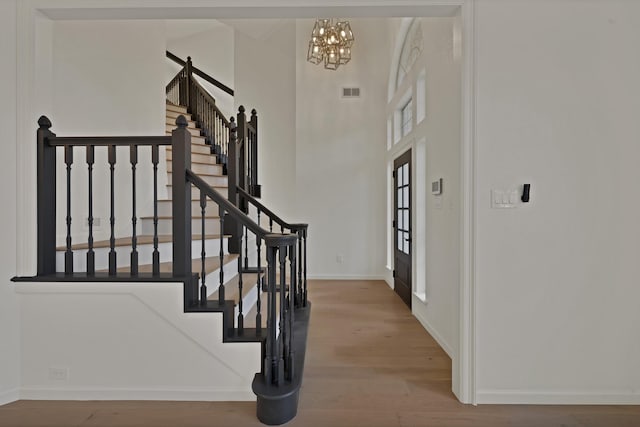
(212,51)
(108,80)
(9,304)
(557,290)
(340,149)
(265,75)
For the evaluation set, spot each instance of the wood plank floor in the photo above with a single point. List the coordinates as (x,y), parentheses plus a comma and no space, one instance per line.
(369,363)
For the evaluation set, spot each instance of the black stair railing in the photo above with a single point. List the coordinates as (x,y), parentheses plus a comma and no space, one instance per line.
(283,278)
(185,90)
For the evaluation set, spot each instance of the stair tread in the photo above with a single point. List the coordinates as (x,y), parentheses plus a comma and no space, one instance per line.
(212,186)
(142,240)
(211,264)
(206,174)
(203,163)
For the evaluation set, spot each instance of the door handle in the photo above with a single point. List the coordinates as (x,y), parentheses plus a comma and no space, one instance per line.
(408,239)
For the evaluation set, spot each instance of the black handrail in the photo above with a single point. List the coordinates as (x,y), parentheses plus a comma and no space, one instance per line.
(231,209)
(118,141)
(269,213)
(201,74)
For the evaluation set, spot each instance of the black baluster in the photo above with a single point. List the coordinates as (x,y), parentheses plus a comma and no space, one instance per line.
(155,158)
(246,249)
(91,256)
(283,334)
(259,286)
(299,268)
(304,297)
(270,225)
(271,358)
(112,217)
(133,157)
(203,253)
(290,308)
(221,287)
(240,304)
(68,255)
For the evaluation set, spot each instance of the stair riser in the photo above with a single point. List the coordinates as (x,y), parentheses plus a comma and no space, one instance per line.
(145,254)
(165,207)
(196,193)
(199,168)
(198,157)
(193,132)
(248,302)
(212,226)
(212,281)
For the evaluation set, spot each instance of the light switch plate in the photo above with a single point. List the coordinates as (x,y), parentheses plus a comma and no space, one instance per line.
(501,199)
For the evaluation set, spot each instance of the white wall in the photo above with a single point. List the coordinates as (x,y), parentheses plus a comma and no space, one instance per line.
(340,146)
(265,75)
(150,350)
(210,44)
(108,80)
(435,144)
(558,99)
(9,316)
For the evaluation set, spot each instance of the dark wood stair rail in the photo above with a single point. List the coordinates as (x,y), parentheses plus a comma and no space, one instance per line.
(284,339)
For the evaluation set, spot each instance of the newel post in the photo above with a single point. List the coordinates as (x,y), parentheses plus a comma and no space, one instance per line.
(255,188)
(242,158)
(46,198)
(181,196)
(231,226)
(189,88)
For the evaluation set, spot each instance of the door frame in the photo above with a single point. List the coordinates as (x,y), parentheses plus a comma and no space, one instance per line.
(464,361)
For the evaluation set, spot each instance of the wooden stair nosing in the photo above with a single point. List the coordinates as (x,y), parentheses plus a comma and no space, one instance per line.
(211,264)
(144,239)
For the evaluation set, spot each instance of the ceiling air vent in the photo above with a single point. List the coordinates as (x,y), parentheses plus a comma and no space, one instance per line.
(351,92)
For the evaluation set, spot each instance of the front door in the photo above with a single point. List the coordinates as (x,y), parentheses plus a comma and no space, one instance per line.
(402,226)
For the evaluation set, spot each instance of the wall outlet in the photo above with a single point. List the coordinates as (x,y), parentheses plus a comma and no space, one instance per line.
(58,374)
(339,258)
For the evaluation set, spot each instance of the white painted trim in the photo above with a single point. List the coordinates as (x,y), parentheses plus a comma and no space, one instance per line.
(344,277)
(107,393)
(436,336)
(565,397)
(464,363)
(9,396)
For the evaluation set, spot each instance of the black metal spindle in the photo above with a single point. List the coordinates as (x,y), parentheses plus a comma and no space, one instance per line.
(203,252)
(112,217)
(91,256)
(133,158)
(68,255)
(270,225)
(246,249)
(221,287)
(155,157)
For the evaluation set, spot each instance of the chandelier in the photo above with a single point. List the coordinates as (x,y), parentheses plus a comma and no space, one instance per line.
(330,43)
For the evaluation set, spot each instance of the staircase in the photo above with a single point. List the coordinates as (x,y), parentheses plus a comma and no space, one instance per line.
(207,235)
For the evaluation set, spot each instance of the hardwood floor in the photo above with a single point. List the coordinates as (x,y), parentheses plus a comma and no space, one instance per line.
(369,363)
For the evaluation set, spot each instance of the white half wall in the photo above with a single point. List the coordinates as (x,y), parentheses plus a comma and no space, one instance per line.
(9,309)
(108,80)
(75,347)
(340,149)
(557,107)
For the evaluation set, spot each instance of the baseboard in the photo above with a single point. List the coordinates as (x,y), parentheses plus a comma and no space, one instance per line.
(343,277)
(9,396)
(544,397)
(82,393)
(436,336)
